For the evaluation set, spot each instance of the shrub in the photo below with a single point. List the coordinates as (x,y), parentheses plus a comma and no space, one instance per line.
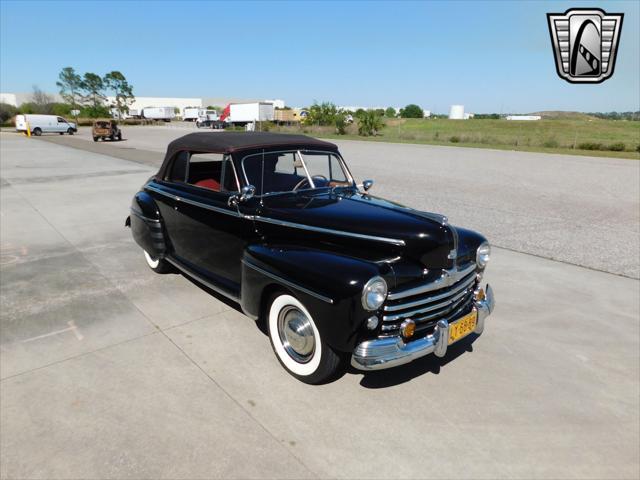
(390,112)
(99,111)
(369,123)
(590,146)
(7,111)
(550,143)
(638,148)
(454,139)
(412,111)
(341,125)
(617,147)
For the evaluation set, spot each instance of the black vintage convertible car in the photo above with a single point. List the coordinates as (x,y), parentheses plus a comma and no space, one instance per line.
(277,224)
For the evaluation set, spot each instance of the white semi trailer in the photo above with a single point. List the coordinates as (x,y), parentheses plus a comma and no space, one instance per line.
(243,113)
(190,114)
(158,113)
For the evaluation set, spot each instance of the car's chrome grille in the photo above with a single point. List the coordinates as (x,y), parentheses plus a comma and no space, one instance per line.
(426,306)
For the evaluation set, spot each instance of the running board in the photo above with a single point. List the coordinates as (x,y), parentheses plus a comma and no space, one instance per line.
(207,282)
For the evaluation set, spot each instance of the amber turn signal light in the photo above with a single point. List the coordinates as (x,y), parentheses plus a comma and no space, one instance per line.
(408,328)
(479,295)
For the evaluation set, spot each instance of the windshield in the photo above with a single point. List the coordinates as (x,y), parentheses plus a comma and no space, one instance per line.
(280,172)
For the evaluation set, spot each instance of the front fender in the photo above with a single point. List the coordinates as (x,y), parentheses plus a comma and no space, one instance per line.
(328,283)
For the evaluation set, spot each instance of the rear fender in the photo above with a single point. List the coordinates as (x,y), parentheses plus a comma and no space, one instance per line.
(146,225)
(327,283)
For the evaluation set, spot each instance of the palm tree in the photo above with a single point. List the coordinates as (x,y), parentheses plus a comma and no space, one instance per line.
(369,123)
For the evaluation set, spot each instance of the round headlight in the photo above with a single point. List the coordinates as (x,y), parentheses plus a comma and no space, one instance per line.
(374,293)
(483,254)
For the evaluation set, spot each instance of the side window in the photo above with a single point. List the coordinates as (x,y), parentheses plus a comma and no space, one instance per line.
(212,171)
(61,120)
(179,167)
(288,163)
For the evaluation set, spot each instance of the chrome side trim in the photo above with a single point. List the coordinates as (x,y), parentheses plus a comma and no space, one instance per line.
(466,283)
(311,228)
(140,215)
(448,278)
(287,282)
(194,202)
(183,268)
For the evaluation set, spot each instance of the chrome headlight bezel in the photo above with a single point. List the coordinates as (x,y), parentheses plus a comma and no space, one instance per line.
(483,254)
(374,294)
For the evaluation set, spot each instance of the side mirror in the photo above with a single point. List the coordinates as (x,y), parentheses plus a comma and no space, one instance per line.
(245,194)
(367,184)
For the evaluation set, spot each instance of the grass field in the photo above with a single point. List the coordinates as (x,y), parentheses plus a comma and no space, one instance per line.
(579,136)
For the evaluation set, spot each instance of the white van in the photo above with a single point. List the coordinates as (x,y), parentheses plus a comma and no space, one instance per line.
(39,124)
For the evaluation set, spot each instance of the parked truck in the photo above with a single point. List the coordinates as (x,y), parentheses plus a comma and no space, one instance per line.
(158,113)
(191,114)
(244,113)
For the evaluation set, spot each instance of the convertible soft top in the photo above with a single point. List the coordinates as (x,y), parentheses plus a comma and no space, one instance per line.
(233,142)
(230,142)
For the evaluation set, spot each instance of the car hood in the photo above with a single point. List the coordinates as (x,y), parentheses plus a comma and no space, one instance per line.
(362,221)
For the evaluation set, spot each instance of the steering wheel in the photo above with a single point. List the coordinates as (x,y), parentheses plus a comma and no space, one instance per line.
(306,180)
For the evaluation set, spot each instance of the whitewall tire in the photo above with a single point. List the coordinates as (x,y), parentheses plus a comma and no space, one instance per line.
(157,264)
(297,343)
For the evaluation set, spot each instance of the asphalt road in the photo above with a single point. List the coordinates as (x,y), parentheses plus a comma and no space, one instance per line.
(580,210)
(111,371)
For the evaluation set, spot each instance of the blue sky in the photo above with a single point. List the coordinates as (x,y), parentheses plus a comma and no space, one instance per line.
(489,56)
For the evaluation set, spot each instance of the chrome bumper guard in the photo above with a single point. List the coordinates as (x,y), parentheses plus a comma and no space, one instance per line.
(393,351)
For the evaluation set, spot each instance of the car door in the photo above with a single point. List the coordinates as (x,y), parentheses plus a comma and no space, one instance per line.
(204,231)
(61,125)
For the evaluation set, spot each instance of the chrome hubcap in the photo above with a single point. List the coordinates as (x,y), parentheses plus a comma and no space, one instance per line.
(296,334)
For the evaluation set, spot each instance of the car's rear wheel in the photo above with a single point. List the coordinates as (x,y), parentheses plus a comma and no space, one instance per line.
(95,139)
(119,136)
(37,131)
(157,264)
(70,131)
(297,343)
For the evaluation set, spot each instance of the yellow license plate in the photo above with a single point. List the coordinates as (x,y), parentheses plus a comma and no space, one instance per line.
(462,327)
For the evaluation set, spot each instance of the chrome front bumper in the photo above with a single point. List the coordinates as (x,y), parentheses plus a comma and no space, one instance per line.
(393,351)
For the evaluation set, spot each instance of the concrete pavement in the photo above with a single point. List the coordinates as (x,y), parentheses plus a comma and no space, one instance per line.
(110,371)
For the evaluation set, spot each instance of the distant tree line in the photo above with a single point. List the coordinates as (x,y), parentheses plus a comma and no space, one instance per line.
(87,94)
(617,115)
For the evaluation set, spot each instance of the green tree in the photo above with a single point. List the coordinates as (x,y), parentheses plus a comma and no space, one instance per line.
(70,84)
(28,107)
(379,112)
(369,123)
(390,112)
(93,88)
(61,109)
(411,111)
(7,111)
(360,112)
(324,113)
(123,91)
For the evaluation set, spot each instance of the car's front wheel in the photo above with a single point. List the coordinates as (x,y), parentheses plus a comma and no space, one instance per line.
(157,264)
(70,131)
(297,343)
